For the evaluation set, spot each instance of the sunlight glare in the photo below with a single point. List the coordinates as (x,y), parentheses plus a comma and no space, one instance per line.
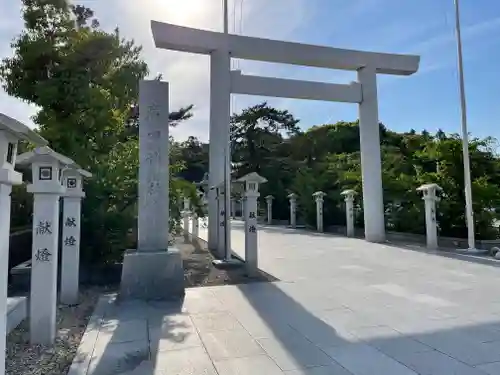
(193,13)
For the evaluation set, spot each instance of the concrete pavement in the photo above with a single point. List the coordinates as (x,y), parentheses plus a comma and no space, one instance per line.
(343,306)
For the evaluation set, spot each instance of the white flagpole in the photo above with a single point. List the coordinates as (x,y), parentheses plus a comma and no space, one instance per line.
(465,136)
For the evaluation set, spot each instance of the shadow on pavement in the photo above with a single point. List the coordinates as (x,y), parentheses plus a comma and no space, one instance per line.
(346,342)
(132,333)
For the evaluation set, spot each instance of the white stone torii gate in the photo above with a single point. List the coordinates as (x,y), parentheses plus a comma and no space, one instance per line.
(222,47)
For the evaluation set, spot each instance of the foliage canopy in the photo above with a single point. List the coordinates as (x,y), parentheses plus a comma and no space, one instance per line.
(84,82)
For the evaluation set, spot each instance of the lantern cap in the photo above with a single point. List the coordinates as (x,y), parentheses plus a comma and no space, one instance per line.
(252,177)
(432,186)
(45,151)
(348,192)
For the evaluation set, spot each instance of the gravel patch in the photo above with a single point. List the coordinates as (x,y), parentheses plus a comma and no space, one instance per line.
(199,271)
(26,359)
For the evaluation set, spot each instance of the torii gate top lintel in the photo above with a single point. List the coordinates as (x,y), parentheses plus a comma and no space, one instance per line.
(186,39)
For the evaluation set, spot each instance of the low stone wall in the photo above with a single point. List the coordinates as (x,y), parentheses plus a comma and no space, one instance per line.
(20,246)
(445,242)
(96,275)
(488,244)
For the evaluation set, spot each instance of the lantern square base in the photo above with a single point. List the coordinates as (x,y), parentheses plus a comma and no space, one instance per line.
(152,275)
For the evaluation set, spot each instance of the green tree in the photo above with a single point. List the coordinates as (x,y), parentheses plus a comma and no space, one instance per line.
(85,83)
(254,133)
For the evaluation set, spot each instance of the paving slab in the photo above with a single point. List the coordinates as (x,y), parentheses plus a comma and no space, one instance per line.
(490,368)
(333,369)
(260,364)
(230,344)
(184,362)
(341,306)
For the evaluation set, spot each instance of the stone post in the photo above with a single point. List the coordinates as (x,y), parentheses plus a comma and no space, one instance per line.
(196,226)
(293,209)
(70,262)
(11,131)
(269,201)
(7,179)
(371,164)
(185,217)
(154,271)
(349,210)
(251,181)
(318,197)
(430,198)
(47,167)
(203,196)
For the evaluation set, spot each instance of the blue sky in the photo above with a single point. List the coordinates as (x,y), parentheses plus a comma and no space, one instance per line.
(427,100)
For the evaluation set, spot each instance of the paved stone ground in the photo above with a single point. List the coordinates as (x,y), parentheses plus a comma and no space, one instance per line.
(342,307)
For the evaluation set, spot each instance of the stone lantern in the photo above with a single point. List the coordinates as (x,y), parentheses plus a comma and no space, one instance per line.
(430,197)
(349,210)
(194,217)
(251,183)
(269,201)
(71,227)
(47,167)
(293,209)
(11,132)
(185,216)
(318,197)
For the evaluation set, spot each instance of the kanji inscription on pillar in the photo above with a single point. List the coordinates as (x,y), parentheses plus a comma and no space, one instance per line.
(70,241)
(43,255)
(153,111)
(251,215)
(252,229)
(152,158)
(43,228)
(70,222)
